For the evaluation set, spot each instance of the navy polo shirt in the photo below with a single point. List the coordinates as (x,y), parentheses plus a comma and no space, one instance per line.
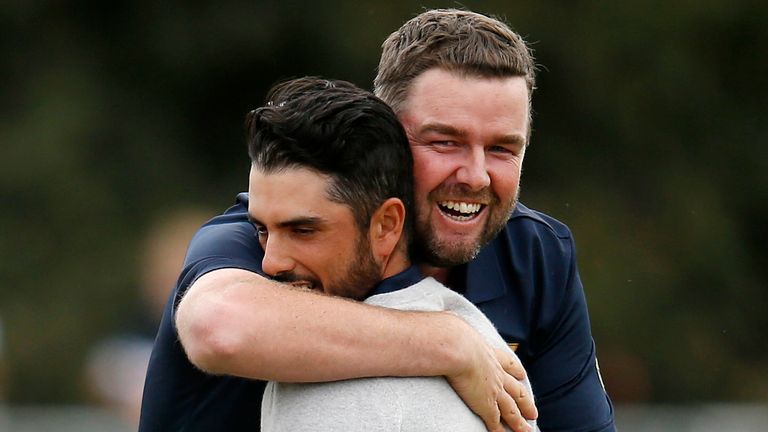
(529,288)
(404,279)
(527,283)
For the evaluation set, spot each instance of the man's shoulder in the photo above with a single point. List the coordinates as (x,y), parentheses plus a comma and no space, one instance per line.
(423,295)
(227,240)
(533,235)
(533,253)
(236,213)
(232,221)
(527,219)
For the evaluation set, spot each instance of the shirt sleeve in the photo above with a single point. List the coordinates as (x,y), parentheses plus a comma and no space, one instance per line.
(227,241)
(563,369)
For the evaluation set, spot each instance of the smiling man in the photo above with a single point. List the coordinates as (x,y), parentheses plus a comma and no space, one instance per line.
(461,84)
(330,196)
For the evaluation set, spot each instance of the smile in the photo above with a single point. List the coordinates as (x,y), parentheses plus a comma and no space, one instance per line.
(460,211)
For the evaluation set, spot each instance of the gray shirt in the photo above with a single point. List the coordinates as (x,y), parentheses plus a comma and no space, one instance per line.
(389,403)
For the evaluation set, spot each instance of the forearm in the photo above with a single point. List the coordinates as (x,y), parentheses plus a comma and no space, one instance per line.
(235,322)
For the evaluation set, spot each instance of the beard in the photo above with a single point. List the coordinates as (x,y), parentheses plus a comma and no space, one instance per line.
(358,279)
(360,276)
(431,249)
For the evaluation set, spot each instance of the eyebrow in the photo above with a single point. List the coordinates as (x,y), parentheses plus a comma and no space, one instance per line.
(298,221)
(301,221)
(444,129)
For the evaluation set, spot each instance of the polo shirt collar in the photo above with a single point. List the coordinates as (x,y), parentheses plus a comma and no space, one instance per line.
(404,279)
(484,278)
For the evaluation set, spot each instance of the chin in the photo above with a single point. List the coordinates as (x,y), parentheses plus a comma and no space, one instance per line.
(440,254)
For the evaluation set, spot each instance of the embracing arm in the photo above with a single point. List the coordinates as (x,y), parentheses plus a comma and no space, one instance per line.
(236,322)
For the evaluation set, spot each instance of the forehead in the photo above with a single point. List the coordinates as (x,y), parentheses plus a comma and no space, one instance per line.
(297,180)
(440,77)
(289,193)
(439,96)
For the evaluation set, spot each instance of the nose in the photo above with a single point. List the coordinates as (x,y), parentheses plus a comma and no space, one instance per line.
(276,260)
(473,172)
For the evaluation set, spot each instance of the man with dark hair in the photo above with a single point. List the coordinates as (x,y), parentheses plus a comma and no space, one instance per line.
(461,84)
(330,196)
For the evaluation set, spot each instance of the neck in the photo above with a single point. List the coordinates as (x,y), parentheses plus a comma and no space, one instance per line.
(395,263)
(439,273)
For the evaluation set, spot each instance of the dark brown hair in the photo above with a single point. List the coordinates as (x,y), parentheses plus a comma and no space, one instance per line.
(458,41)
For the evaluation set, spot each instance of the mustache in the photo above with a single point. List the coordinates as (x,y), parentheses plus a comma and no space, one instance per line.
(461,191)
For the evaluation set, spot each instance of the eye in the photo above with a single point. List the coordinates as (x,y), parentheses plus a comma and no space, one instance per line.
(261,231)
(444,146)
(500,149)
(302,231)
(507,151)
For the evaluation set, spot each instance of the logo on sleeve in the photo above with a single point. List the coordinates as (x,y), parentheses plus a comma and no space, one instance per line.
(597,368)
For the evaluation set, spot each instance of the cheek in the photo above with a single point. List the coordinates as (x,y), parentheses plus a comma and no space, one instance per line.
(505,180)
(423,183)
(344,247)
(429,172)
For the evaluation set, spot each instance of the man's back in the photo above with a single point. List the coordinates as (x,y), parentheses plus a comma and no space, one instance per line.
(383,404)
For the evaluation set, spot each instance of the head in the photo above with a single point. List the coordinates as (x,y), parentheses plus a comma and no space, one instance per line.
(461,84)
(331,177)
(459,41)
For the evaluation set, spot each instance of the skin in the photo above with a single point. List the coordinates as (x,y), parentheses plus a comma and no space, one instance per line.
(468,138)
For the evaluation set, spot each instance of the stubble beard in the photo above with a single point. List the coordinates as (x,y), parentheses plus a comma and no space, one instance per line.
(430,249)
(361,275)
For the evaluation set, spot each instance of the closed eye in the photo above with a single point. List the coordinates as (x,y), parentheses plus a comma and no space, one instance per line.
(302,231)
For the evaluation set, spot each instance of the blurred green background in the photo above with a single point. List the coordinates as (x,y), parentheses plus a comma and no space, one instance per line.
(649,141)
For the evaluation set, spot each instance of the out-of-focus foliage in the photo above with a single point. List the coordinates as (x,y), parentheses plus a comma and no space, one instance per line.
(650,142)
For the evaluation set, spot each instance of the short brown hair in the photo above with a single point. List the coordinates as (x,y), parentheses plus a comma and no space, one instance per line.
(455,40)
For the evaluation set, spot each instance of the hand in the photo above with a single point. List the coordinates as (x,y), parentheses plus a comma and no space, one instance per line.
(490,386)
(516,402)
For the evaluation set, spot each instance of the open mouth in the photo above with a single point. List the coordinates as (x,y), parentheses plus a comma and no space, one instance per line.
(460,211)
(302,284)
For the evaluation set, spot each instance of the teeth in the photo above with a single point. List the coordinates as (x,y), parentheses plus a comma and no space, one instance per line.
(302,284)
(461,207)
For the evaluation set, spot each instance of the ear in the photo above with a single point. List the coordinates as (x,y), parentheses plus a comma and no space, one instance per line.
(386,228)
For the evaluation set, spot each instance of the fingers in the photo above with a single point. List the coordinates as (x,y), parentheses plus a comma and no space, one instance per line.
(522,399)
(510,363)
(492,421)
(511,414)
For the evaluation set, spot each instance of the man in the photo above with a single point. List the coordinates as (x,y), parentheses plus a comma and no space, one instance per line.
(461,84)
(331,184)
